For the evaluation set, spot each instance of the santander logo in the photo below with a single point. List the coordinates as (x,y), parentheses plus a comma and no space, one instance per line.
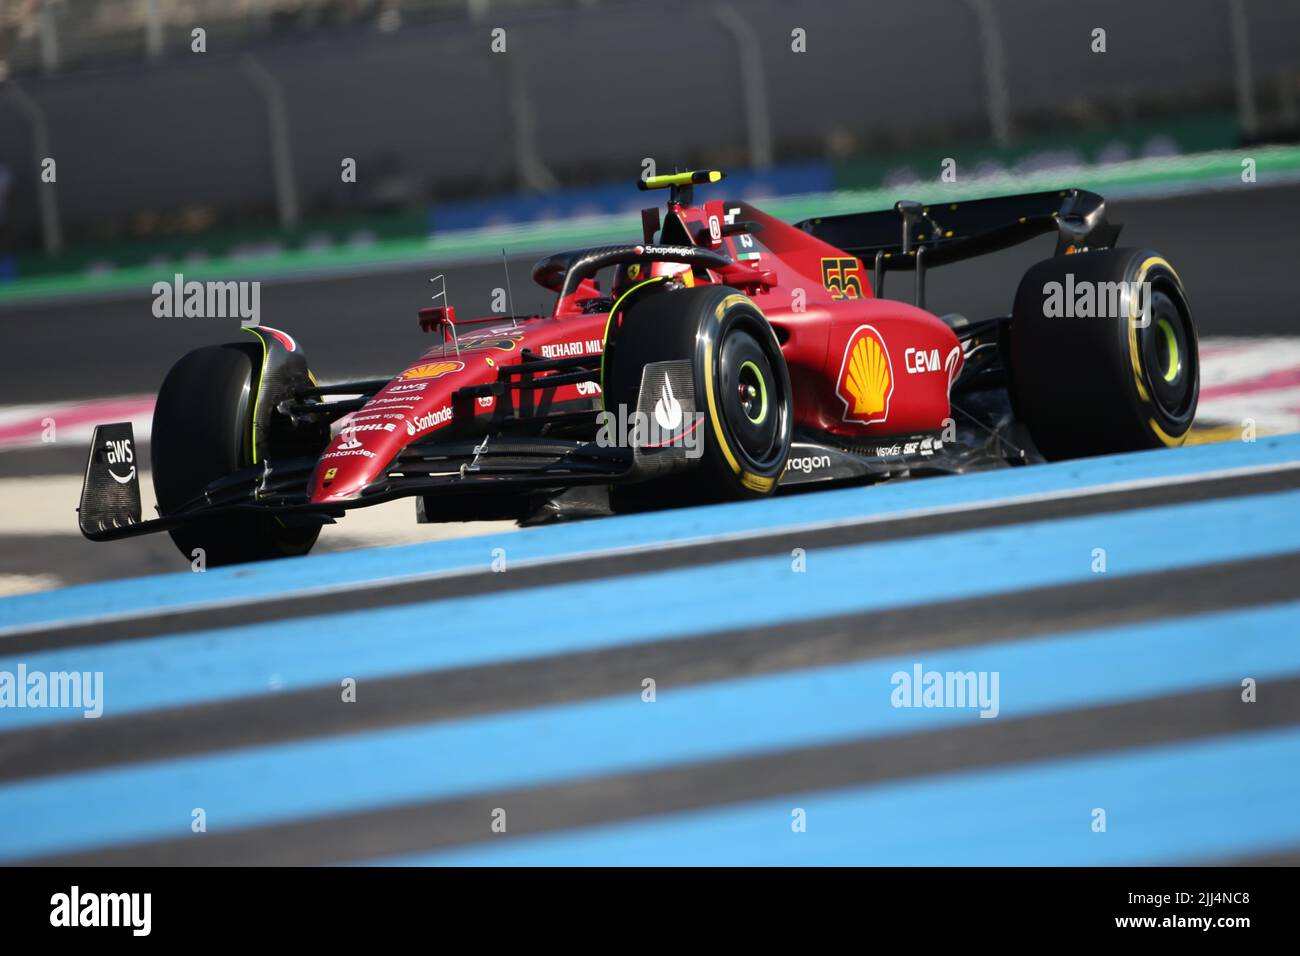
(421,423)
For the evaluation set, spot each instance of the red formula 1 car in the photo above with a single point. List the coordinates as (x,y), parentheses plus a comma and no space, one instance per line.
(733,356)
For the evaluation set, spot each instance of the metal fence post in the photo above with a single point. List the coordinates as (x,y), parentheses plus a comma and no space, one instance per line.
(995,71)
(533,172)
(153,29)
(46,193)
(277,122)
(1247,113)
(49,37)
(749,59)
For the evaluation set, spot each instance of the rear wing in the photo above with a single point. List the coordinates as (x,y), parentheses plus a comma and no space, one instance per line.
(914,236)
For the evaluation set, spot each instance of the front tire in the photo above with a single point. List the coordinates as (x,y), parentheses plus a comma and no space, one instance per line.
(742,386)
(202,432)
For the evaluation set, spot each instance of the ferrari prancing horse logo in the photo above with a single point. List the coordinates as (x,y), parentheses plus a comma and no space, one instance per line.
(866,381)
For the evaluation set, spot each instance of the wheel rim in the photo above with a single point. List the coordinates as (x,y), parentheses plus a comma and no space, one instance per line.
(1171,357)
(753,393)
(749,390)
(1168,357)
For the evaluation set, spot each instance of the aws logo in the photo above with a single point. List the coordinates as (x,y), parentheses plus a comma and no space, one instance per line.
(866,381)
(120,452)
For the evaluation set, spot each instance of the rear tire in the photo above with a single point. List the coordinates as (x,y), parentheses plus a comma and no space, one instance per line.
(1104,384)
(201,432)
(741,385)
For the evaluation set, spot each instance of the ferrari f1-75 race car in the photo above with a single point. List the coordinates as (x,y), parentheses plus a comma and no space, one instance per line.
(730,355)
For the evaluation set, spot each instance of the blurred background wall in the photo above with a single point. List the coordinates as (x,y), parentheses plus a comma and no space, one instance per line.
(156,141)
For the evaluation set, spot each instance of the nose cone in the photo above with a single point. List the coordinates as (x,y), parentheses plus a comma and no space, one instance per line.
(411,407)
(418,404)
(354,459)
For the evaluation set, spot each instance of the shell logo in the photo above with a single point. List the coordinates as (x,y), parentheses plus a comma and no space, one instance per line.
(432,370)
(866,381)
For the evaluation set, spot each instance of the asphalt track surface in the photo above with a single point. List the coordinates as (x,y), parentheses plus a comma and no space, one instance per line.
(1236,251)
(521,691)
(773,631)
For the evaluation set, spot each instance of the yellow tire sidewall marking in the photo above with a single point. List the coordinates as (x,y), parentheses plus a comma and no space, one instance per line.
(747,479)
(1143,394)
(604,342)
(257,399)
(718,434)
